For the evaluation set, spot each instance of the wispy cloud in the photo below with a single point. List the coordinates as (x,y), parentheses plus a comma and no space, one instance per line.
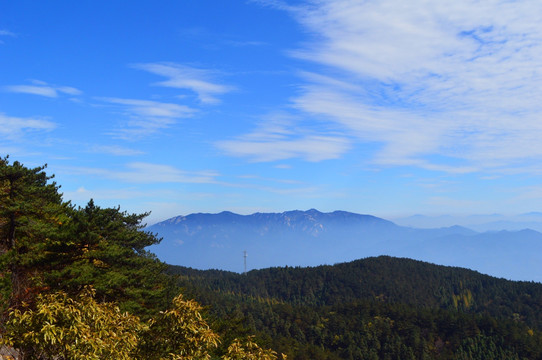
(83,194)
(279,138)
(13,127)
(155,109)
(116,150)
(43,89)
(460,80)
(147,173)
(238,43)
(4,32)
(147,117)
(200,81)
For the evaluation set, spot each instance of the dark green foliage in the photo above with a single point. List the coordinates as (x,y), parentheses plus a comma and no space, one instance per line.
(388,279)
(376,308)
(482,347)
(105,249)
(31,215)
(48,245)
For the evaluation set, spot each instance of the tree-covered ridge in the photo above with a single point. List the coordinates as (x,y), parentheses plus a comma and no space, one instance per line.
(384,278)
(376,308)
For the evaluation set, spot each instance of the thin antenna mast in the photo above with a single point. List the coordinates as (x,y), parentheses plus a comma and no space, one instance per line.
(245,257)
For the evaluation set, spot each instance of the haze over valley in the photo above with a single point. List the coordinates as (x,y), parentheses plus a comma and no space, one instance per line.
(311,238)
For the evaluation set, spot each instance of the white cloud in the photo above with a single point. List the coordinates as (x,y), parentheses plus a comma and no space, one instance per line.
(7,33)
(186,77)
(147,117)
(13,127)
(449,86)
(83,195)
(43,89)
(69,90)
(115,150)
(32,89)
(311,148)
(278,139)
(147,173)
(244,43)
(155,109)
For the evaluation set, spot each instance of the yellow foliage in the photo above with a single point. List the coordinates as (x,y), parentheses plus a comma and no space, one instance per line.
(77,328)
(249,350)
(60,327)
(180,333)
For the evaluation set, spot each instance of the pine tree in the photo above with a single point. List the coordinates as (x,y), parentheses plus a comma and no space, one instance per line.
(47,245)
(106,250)
(31,215)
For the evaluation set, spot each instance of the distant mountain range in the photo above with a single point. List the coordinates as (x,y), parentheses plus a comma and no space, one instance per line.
(311,238)
(481,223)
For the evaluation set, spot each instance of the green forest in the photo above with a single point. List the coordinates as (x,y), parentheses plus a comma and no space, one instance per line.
(376,308)
(77,283)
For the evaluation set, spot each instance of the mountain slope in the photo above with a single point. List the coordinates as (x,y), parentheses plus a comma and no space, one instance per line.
(291,238)
(375,308)
(311,238)
(389,279)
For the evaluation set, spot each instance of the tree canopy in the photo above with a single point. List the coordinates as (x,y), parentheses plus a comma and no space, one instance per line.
(31,215)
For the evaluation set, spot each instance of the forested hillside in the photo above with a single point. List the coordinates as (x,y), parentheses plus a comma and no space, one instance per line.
(376,308)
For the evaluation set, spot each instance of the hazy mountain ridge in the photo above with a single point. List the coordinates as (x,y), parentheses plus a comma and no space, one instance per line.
(311,221)
(311,238)
(480,223)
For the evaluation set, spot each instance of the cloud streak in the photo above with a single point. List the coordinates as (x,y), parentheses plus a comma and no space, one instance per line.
(279,138)
(115,150)
(4,32)
(451,87)
(189,78)
(42,89)
(7,33)
(147,117)
(148,173)
(13,127)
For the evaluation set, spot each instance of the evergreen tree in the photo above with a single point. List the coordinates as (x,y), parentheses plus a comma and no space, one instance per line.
(31,215)
(48,245)
(105,249)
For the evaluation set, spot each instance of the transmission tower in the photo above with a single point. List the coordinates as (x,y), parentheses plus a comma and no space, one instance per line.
(245,257)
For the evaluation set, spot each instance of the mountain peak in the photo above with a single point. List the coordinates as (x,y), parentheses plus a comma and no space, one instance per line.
(311,237)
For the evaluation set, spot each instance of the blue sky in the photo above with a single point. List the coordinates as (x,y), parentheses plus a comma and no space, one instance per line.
(388,107)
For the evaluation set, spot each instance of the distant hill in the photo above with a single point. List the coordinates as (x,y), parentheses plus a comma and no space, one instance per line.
(389,279)
(397,308)
(311,238)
